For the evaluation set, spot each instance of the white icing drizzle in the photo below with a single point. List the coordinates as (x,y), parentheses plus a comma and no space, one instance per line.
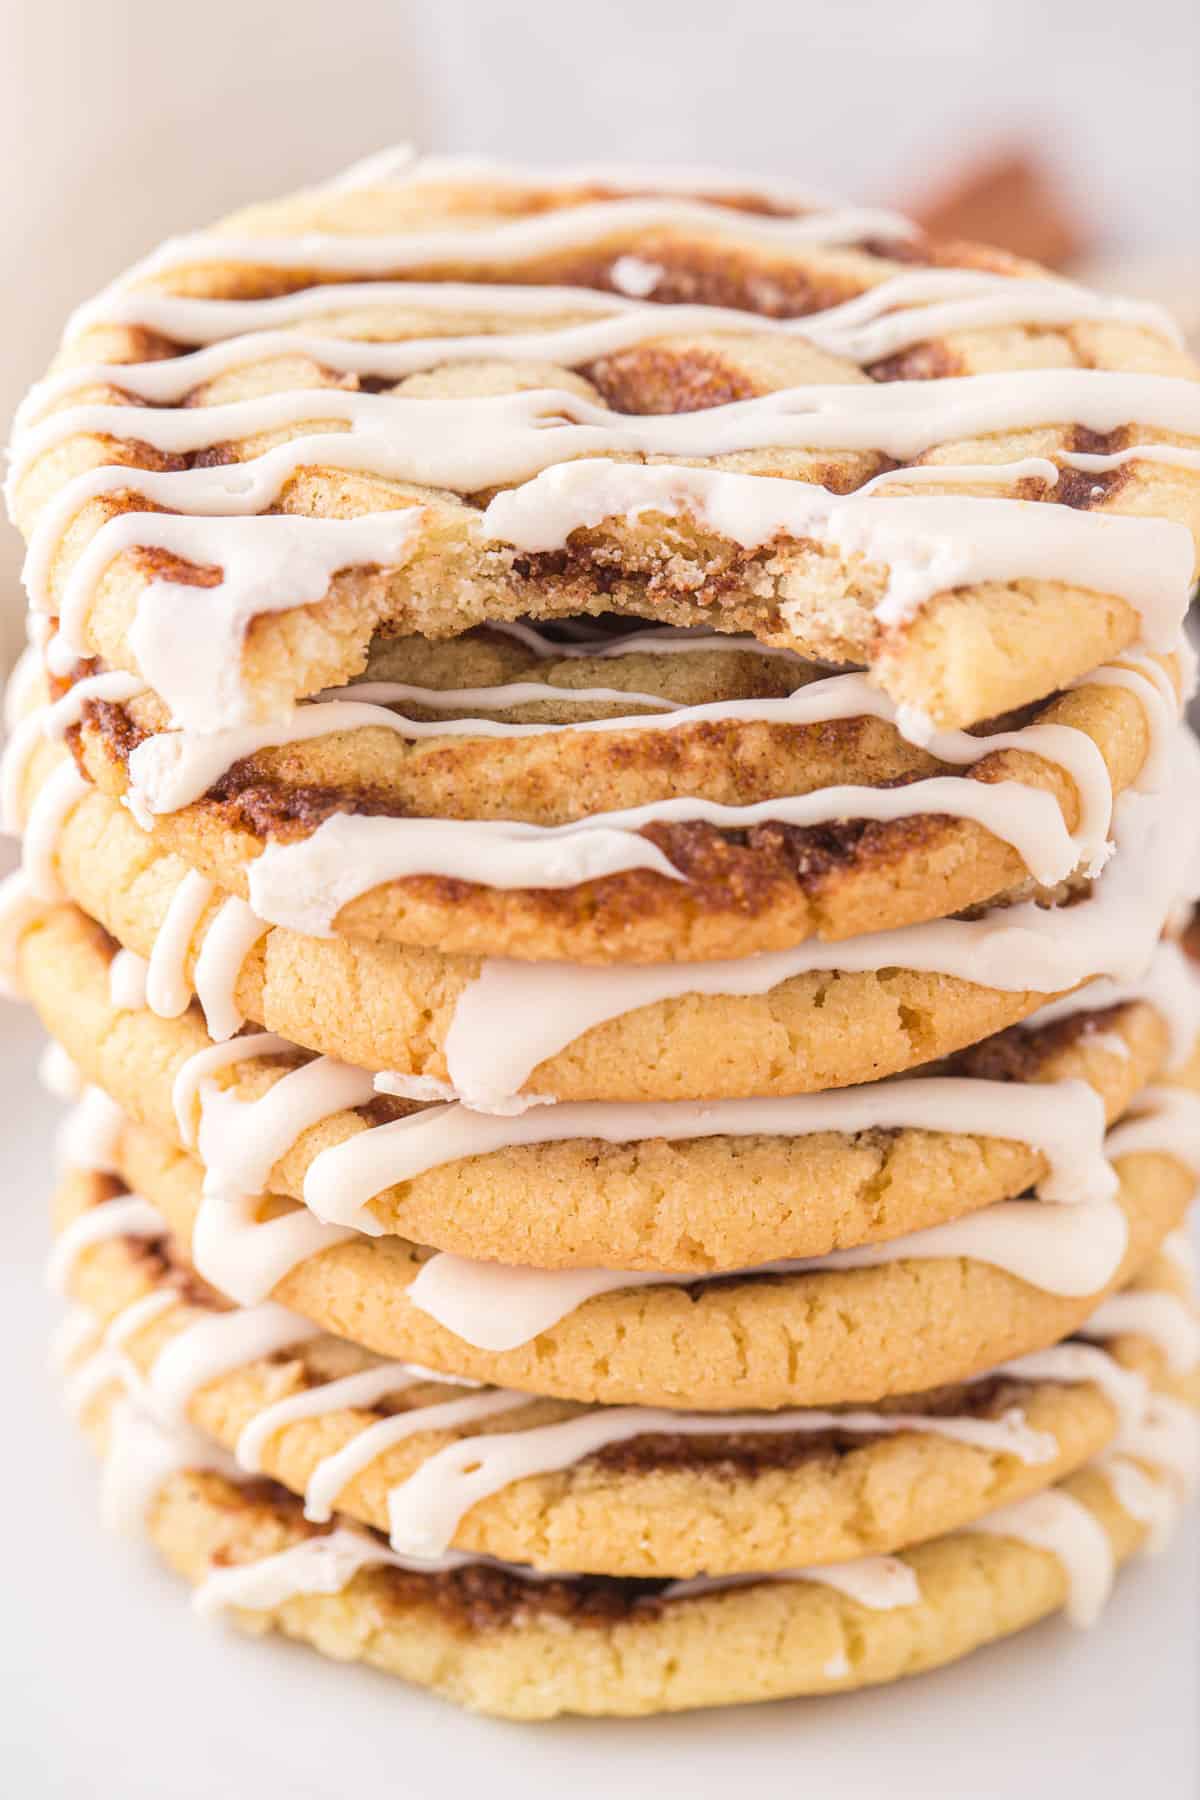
(521,434)
(135,1317)
(23,687)
(446,447)
(88,1136)
(1167,1320)
(428,1088)
(514,1015)
(1071,1251)
(233,932)
(1171,455)
(1056,1522)
(304,884)
(204,1064)
(128,1215)
(19,910)
(512,437)
(1164,1120)
(516,240)
(113,685)
(1167,1436)
(928,544)
(128,981)
(56,800)
(365,1388)
(167,990)
(1168,984)
(1126,1391)
(106,1364)
(1063,1120)
(1179,1250)
(29,728)
(188,642)
(143,1453)
(880,1583)
(24,737)
(318,1565)
(58,1074)
(330,1477)
(214,1346)
(246,1258)
(634,276)
(327,1565)
(426,1510)
(932,543)
(240,1141)
(669,640)
(892,316)
(173,769)
(1154,1501)
(1067,1250)
(1146,678)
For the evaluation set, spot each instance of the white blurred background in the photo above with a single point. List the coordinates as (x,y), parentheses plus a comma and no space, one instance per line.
(124,120)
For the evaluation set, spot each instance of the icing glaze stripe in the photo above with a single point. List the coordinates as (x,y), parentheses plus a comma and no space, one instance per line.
(126,1216)
(1062,1120)
(1167,1320)
(426,1510)
(514,240)
(517,435)
(1056,1522)
(515,1015)
(167,991)
(215,1346)
(233,932)
(1067,1250)
(245,1257)
(304,884)
(890,317)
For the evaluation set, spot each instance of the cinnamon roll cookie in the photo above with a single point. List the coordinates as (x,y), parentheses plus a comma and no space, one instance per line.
(451,417)
(818,1016)
(566,1186)
(343,438)
(622,1490)
(608,849)
(494,1641)
(929,1308)
(789,809)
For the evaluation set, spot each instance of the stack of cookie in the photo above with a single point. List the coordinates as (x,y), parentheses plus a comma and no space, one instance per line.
(607,853)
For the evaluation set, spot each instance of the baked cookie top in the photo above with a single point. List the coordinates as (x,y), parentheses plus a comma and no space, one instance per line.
(818,1014)
(927,1309)
(754,803)
(627,1491)
(496,1641)
(669,1189)
(423,403)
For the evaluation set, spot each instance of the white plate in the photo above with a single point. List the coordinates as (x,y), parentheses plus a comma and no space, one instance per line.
(110,1689)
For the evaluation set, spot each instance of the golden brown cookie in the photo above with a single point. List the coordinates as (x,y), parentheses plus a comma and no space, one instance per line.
(688,1204)
(985,642)
(742,890)
(654,1501)
(520,1650)
(828,1336)
(384,1006)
